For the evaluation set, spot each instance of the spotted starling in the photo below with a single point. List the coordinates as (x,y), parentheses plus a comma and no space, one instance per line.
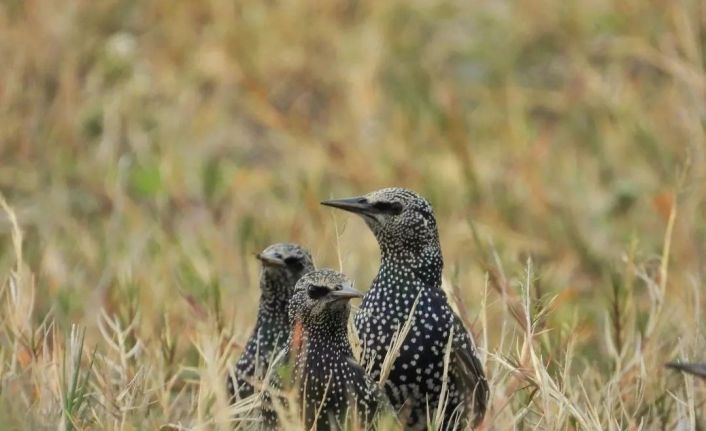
(411,264)
(282,266)
(331,388)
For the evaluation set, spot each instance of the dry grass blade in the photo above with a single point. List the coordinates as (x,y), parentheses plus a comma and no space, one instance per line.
(442,405)
(319,409)
(396,342)
(16,231)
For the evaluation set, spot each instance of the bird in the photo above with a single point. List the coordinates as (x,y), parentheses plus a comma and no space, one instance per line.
(410,272)
(697,369)
(282,266)
(331,389)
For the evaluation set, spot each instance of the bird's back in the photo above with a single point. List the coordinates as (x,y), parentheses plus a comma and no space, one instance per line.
(268,338)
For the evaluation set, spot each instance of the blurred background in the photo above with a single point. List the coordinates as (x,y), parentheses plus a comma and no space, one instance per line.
(151,148)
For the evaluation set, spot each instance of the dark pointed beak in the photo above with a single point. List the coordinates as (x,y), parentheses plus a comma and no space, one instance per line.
(347,292)
(695,369)
(269,259)
(358,205)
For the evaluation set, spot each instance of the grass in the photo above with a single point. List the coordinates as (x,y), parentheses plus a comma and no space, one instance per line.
(149,149)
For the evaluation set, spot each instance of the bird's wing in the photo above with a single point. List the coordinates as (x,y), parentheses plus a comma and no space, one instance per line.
(469,369)
(465,363)
(272,384)
(384,404)
(273,377)
(368,380)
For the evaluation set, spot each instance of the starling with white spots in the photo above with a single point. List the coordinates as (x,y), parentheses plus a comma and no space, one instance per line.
(332,390)
(282,266)
(411,265)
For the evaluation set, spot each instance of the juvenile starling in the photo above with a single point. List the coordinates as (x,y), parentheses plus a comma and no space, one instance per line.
(282,266)
(411,263)
(330,386)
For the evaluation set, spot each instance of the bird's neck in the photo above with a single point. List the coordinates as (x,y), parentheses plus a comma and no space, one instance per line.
(423,263)
(273,302)
(332,339)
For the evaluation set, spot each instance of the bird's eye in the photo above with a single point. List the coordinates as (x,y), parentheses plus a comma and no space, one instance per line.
(316,292)
(393,208)
(292,261)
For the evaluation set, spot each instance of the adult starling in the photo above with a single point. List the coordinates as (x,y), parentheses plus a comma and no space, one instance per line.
(411,263)
(331,388)
(282,265)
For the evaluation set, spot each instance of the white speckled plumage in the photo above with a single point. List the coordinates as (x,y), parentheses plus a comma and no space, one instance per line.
(331,386)
(282,266)
(411,265)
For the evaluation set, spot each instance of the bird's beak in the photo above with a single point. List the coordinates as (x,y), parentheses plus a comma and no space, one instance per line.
(358,204)
(695,369)
(269,259)
(347,292)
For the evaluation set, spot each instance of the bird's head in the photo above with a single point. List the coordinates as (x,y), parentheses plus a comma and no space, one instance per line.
(321,299)
(283,264)
(397,217)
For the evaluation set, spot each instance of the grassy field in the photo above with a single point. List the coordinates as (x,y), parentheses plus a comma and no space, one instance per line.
(149,149)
